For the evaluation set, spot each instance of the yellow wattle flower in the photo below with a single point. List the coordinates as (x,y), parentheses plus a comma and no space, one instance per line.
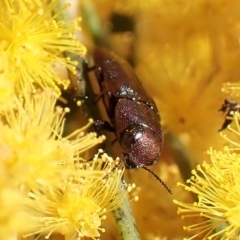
(13,216)
(32,143)
(77,208)
(32,42)
(216,185)
(7,81)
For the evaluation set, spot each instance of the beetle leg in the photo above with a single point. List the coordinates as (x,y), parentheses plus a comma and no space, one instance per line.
(114,141)
(89,69)
(226,122)
(98,71)
(99,96)
(103,125)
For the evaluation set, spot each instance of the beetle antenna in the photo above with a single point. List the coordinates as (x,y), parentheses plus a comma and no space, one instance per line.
(158,178)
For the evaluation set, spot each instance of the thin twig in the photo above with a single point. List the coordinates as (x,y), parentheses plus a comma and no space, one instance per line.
(181,155)
(125,222)
(94,25)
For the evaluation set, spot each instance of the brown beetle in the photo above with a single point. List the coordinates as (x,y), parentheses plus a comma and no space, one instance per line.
(132,112)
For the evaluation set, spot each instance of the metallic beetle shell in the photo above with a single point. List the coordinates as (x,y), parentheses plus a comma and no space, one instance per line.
(129,107)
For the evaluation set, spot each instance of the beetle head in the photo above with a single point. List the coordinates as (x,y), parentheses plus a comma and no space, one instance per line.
(141,146)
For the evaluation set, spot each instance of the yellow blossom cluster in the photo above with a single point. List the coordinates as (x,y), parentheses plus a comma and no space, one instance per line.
(49,182)
(184,53)
(33,126)
(52,186)
(12,209)
(77,207)
(216,185)
(32,42)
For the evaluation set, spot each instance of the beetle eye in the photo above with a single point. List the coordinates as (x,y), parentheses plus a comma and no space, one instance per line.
(130,136)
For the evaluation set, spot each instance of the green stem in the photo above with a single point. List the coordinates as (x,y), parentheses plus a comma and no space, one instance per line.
(125,222)
(180,154)
(93,24)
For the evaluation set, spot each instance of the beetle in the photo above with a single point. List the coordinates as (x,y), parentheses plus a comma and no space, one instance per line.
(228,107)
(133,115)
